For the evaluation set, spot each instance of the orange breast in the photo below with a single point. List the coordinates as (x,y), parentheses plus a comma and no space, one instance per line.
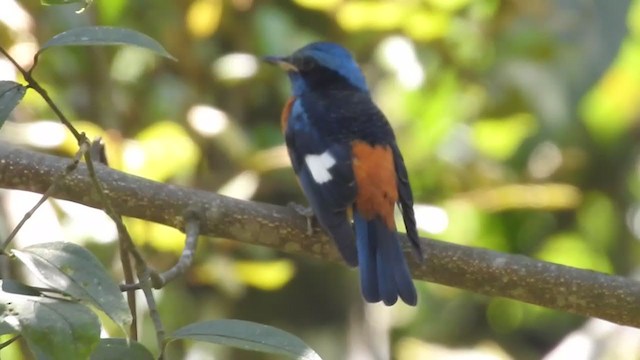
(286,112)
(375,176)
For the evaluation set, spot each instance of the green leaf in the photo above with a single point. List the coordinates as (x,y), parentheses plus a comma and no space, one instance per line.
(110,12)
(105,35)
(569,248)
(6,327)
(247,335)
(60,2)
(14,287)
(55,328)
(500,138)
(10,95)
(74,270)
(120,349)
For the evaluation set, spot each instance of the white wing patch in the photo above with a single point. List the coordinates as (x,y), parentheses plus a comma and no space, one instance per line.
(319,166)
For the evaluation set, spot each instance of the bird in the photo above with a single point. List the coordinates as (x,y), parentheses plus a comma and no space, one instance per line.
(345,155)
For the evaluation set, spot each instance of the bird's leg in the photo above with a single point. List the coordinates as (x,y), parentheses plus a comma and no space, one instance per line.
(307,212)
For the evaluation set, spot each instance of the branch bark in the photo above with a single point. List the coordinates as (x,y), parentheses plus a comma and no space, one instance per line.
(487,272)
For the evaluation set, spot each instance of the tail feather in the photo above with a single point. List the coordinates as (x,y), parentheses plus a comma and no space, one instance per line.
(367,260)
(384,274)
(386,278)
(404,282)
(406,203)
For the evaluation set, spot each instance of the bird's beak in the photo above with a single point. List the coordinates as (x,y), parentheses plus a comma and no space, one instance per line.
(283,62)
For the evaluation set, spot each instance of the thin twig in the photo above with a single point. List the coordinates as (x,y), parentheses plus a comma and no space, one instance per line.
(13,61)
(149,279)
(9,342)
(126,243)
(68,170)
(192,219)
(36,58)
(127,270)
(32,83)
(142,269)
(192,231)
(144,277)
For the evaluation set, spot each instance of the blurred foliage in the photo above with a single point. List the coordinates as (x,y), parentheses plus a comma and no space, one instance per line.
(518,118)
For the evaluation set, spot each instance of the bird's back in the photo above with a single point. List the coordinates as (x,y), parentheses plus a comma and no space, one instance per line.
(341,116)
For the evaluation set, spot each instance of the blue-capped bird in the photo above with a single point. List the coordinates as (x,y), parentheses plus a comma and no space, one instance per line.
(345,155)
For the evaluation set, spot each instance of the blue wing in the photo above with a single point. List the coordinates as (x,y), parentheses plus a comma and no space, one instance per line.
(326,176)
(320,144)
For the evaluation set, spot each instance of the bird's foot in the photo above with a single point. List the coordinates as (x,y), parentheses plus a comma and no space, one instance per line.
(307,212)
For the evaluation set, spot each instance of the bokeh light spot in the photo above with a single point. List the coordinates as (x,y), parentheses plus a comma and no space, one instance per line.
(207,120)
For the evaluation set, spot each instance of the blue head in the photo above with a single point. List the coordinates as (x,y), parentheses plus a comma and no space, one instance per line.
(321,66)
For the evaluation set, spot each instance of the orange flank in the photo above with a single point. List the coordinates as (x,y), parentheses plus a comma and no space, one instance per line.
(286,112)
(375,175)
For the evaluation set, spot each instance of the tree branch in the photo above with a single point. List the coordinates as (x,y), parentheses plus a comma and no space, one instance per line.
(487,272)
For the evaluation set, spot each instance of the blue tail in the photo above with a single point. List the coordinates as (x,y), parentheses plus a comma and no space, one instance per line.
(384,274)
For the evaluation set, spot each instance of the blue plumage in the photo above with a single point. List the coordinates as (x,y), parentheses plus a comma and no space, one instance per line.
(384,274)
(333,57)
(344,152)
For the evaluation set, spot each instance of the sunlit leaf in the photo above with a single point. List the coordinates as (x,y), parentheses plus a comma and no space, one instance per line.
(265,275)
(369,15)
(110,11)
(203,17)
(469,220)
(427,25)
(249,336)
(599,221)
(610,108)
(242,186)
(526,196)
(159,236)
(164,150)
(505,315)
(105,35)
(74,270)
(120,349)
(92,130)
(570,249)
(324,5)
(500,138)
(449,5)
(475,227)
(10,95)
(57,329)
